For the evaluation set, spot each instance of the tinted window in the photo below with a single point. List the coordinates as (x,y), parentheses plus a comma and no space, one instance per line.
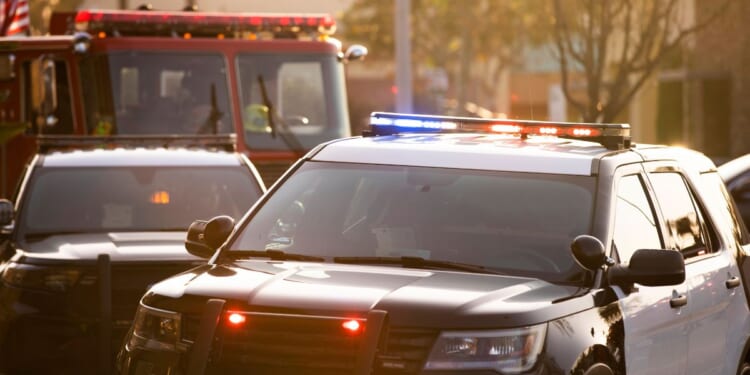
(680,211)
(635,224)
(519,222)
(132,198)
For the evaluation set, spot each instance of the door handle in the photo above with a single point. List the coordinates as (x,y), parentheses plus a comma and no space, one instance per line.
(678,300)
(733,282)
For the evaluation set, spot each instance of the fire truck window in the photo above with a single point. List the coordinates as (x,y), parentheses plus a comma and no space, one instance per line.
(144,92)
(301,97)
(305,93)
(129,87)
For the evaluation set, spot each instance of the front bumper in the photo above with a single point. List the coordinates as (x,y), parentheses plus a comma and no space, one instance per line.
(40,331)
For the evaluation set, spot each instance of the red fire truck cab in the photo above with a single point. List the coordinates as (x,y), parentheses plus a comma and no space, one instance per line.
(276,80)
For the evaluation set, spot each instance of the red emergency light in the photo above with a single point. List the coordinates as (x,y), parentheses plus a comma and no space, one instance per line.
(236,319)
(203,24)
(352,326)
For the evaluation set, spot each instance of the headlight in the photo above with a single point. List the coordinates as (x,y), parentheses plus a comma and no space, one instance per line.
(35,277)
(155,329)
(508,351)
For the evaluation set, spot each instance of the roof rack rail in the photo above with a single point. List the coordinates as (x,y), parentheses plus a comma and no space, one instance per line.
(611,136)
(46,143)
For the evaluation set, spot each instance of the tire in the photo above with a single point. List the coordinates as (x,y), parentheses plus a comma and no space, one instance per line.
(744,368)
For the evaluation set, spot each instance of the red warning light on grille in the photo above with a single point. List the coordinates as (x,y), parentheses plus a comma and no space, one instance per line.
(352,326)
(236,319)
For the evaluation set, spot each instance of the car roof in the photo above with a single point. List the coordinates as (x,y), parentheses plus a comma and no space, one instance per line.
(479,151)
(139,157)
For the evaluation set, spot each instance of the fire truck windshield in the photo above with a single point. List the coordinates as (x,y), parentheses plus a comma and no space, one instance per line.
(139,92)
(305,96)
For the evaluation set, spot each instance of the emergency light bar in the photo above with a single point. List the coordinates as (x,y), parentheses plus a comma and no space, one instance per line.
(611,136)
(46,143)
(213,24)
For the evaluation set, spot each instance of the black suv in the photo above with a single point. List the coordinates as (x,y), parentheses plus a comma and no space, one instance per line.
(92,229)
(438,245)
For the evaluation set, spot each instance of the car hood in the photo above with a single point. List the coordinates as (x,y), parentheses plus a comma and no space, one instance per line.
(120,246)
(412,297)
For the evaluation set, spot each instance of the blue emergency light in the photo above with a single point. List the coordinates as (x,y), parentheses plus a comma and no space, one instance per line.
(611,136)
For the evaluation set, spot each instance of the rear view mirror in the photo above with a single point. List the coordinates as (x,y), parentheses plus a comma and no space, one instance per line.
(650,268)
(355,52)
(205,237)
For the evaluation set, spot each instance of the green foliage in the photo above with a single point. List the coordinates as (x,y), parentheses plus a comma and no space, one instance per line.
(473,40)
(442,28)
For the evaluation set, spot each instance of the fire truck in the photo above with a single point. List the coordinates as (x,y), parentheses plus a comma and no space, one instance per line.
(276,80)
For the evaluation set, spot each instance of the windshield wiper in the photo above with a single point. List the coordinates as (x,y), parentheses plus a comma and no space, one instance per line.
(275,255)
(211,125)
(417,262)
(286,135)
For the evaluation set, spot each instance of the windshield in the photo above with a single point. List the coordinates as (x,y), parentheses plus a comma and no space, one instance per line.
(138,92)
(516,223)
(305,92)
(125,199)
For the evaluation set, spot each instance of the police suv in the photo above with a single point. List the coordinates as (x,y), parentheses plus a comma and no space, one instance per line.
(95,222)
(437,245)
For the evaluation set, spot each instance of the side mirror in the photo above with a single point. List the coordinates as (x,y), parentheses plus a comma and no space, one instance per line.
(588,252)
(205,237)
(81,43)
(650,268)
(7,212)
(740,189)
(355,52)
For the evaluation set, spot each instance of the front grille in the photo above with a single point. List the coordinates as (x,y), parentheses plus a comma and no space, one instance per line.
(285,344)
(405,352)
(271,171)
(293,344)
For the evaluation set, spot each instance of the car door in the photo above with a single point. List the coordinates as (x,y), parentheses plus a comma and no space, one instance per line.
(655,318)
(717,301)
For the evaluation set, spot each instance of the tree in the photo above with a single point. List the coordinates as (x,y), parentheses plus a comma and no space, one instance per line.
(617,45)
(468,38)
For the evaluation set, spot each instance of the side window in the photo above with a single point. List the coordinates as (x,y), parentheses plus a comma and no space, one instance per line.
(684,221)
(714,186)
(635,224)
